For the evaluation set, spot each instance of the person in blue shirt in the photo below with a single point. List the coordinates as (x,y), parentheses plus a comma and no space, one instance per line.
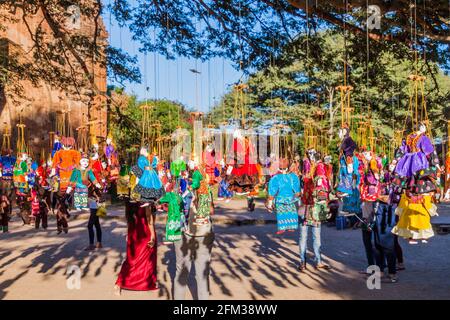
(284,191)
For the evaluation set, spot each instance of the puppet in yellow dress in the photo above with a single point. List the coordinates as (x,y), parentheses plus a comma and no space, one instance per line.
(416,173)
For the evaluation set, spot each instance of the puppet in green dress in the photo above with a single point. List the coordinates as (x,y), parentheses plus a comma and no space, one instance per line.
(174,214)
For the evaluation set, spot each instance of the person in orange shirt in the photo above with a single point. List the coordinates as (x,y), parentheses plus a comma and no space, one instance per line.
(64,162)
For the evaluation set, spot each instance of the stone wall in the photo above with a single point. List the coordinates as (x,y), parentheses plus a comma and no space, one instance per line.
(41,103)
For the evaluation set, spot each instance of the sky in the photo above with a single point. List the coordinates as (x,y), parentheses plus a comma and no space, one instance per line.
(172,79)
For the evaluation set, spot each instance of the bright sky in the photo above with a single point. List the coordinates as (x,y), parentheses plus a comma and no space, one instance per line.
(171,79)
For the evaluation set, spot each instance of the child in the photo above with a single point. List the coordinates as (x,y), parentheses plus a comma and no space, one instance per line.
(62,214)
(42,214)
(4,210)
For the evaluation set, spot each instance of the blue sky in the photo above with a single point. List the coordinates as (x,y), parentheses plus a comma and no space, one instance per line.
(171,79)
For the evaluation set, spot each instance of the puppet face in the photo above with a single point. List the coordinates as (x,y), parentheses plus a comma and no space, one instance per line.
(49,162)
(367,155)
(327,159)
(209,148)
(342,133)
(144,152)
(312,154)
(94,156)
(192,164)
(104,165)
(422,128)
(108,140)
(67,147)
(84,163)
(237,134)
(23,157)
(392,167)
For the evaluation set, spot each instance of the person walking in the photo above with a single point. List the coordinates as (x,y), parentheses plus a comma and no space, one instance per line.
(94,199)
(195,246)
(138,272)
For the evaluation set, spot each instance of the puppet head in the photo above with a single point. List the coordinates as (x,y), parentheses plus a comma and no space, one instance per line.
(68,143)
(368,155)
(84,161)
(109,139)
(22,156)
(327,159)
(422,127)
(144,151)
(312,153)
(94,155)
(237,134)
(94,143)
(344,131)
(192,164)
(284,165)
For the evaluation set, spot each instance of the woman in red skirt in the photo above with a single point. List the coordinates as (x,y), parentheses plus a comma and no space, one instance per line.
(138,272)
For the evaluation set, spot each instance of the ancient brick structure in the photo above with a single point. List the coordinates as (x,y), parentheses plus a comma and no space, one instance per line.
(41,104)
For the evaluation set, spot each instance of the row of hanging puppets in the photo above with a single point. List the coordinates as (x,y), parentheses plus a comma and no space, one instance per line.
(65,167)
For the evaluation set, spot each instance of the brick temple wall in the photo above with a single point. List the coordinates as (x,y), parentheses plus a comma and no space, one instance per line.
(41,103)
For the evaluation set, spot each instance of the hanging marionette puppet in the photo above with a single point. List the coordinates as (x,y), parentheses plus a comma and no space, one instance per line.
(416,171)
(7,161)
(329,169)
(123,182)
(80,180)
(96,166)
(31,176)
(243,175)
(447,176)
(64,162)
(347,162)
(349,176)
(43,179)
(308,169)
(174,214)
(321,194)
(202,205)
(149,187)
(112,159)
(209,161)
(21,174)
(283,191)
(370,185)
(57,145)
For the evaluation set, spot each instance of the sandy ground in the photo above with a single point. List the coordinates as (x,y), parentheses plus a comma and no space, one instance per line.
(248,262)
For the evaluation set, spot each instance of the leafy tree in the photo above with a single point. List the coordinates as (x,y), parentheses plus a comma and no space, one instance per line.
(298,87)
(61,54)
(249,32)
(126,120)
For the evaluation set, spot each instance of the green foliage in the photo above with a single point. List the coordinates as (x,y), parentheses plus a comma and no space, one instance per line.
(126,124)
(298,85)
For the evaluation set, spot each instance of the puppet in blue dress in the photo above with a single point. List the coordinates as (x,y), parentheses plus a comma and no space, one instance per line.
(149,187)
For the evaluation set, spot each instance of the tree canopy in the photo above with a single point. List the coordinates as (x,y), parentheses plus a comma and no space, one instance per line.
(296,88)
(245,31)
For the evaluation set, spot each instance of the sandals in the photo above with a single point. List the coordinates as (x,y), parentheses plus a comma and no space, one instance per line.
(301,267)
(323,266)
